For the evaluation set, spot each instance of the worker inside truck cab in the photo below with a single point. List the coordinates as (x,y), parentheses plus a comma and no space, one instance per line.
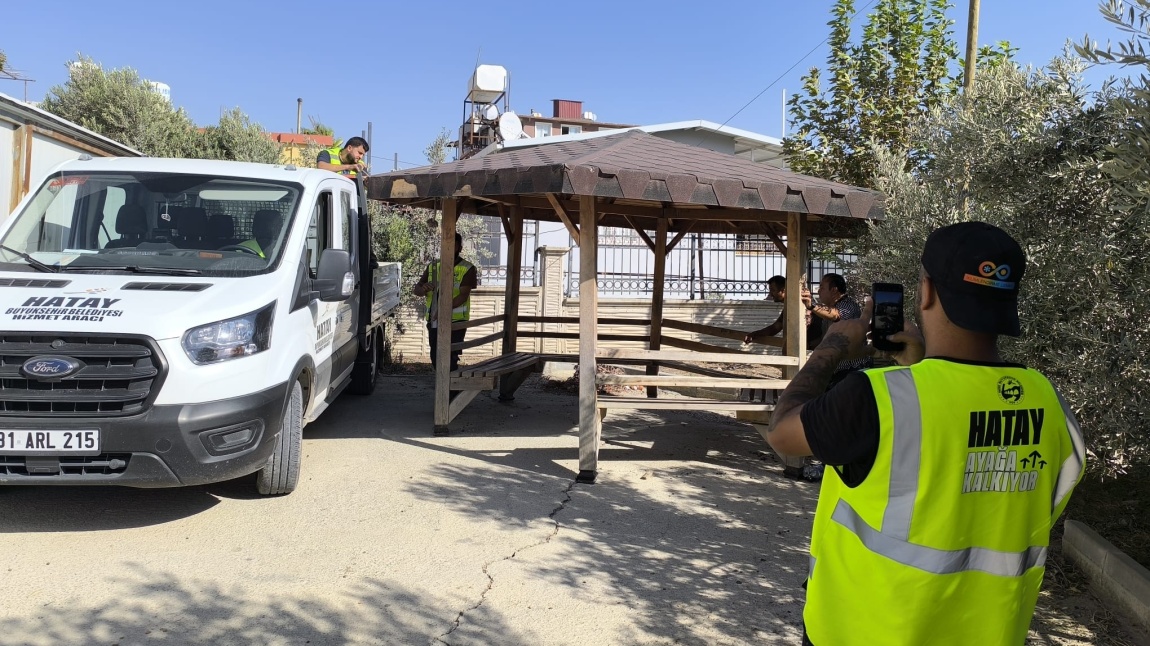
(265,229)
(345,161)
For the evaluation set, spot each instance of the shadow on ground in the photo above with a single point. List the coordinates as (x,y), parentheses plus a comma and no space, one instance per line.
(156,608)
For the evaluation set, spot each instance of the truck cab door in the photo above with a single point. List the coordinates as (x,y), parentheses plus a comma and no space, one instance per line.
(347,311)
(323,233)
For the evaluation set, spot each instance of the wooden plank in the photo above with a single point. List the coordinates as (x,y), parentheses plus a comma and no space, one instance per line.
(443,340)
(793,309)
(590,425)
(779,245)
(639,230)
(679,236)
(711,330)
(575,335)
(566,219)
(699,370)
(472,383)
(508,229)
(575,319)
(464,325)
(462,399)
(494,364)
(659,285)
(697,346)
(514,278)
(682,404)
(692,380)
(700,357)
(483,340)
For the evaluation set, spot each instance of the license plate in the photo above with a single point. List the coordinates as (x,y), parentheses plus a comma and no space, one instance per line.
(80,442)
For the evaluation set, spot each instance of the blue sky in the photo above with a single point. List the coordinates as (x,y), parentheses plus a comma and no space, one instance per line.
(404,66)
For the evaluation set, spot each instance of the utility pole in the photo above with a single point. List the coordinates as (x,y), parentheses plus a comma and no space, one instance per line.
(298,114)
(971,47)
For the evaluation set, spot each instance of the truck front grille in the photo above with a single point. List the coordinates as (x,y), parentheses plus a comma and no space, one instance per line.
(117,377)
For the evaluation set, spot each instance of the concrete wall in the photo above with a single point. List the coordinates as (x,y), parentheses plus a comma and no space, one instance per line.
(409,343)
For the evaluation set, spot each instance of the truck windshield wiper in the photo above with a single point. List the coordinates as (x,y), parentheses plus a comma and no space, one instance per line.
(163,271)
(39,266)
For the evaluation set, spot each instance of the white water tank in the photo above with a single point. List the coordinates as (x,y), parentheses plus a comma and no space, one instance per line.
(487,84)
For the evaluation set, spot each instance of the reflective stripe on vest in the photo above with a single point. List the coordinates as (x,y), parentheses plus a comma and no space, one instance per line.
(461,313)
(334,153)
(905,557)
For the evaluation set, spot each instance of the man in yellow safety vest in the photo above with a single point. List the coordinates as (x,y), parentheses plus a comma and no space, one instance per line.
(948,470)
(345,161)
(465,279)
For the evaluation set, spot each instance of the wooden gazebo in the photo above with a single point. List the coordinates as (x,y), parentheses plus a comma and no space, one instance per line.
(642,182)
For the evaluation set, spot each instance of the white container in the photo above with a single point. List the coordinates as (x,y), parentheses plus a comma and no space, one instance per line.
(488,83)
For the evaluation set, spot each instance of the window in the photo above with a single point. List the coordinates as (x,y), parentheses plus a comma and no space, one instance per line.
(114,198)
(319,231)
(542,130)
(570,130)
(345,202)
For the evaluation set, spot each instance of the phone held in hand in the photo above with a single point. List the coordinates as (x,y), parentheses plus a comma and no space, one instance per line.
(887,316)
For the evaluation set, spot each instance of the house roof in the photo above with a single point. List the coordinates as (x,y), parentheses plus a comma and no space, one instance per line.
(301,139)
(748,145)
(23,111)
(638,177)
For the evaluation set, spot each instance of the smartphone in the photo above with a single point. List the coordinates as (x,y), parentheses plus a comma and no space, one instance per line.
(887,316)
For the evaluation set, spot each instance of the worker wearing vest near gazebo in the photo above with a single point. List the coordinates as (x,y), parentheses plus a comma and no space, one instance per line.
(466,278)
(345,161)
(933,526)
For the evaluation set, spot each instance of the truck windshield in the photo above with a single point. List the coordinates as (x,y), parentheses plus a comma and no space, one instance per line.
(152,223)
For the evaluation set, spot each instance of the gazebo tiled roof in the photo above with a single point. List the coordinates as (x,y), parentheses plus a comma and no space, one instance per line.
(638,177)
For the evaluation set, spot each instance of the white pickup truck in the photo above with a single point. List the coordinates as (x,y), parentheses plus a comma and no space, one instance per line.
(171,322)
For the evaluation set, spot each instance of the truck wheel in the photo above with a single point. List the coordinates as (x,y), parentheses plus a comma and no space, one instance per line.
(281,473)
(363,376)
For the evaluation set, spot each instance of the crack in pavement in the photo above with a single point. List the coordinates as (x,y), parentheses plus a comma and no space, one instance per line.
(491,580)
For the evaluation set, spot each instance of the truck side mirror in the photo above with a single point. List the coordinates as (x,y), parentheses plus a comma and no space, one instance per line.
(334,280)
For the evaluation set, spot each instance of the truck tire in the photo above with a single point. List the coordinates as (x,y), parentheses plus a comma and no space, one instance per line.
(281,474)
(366,371)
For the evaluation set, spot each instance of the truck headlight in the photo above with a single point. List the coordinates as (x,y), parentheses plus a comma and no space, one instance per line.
(241,336)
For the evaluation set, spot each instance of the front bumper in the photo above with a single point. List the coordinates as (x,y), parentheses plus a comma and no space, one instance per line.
(166,446)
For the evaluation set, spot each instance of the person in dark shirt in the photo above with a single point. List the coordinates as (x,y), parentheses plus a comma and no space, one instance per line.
(835,305)
(777,292)
(906,445)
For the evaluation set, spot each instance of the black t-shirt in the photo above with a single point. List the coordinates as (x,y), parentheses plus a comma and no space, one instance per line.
(842,426)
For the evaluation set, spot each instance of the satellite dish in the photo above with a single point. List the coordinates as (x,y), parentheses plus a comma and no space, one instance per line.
(510,127)
(491,113)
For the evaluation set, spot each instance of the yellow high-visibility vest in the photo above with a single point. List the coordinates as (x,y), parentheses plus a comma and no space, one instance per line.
(461,313)
(336,159)
(945,540)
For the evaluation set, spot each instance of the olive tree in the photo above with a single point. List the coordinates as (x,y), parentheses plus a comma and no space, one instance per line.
(1028,150)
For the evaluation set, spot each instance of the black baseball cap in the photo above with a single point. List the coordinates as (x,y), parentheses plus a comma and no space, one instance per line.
(976,268)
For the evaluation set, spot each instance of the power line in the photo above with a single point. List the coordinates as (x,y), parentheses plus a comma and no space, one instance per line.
(780,77)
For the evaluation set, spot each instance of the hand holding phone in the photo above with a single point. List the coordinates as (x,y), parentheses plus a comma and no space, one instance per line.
(887,317)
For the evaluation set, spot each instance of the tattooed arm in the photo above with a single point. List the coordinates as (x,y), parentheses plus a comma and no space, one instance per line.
(844,340)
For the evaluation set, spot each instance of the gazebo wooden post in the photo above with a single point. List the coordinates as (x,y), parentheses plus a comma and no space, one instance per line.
(514,272)
(508,383)
(796,314)
(442,333)
(590,425)
(657,289)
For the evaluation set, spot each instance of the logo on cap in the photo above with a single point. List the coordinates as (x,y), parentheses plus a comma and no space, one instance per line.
(992,276)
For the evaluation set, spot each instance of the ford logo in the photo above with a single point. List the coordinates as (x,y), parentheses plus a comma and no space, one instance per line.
(49,368)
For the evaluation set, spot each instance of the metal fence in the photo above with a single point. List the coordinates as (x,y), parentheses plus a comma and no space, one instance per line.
(701,266)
